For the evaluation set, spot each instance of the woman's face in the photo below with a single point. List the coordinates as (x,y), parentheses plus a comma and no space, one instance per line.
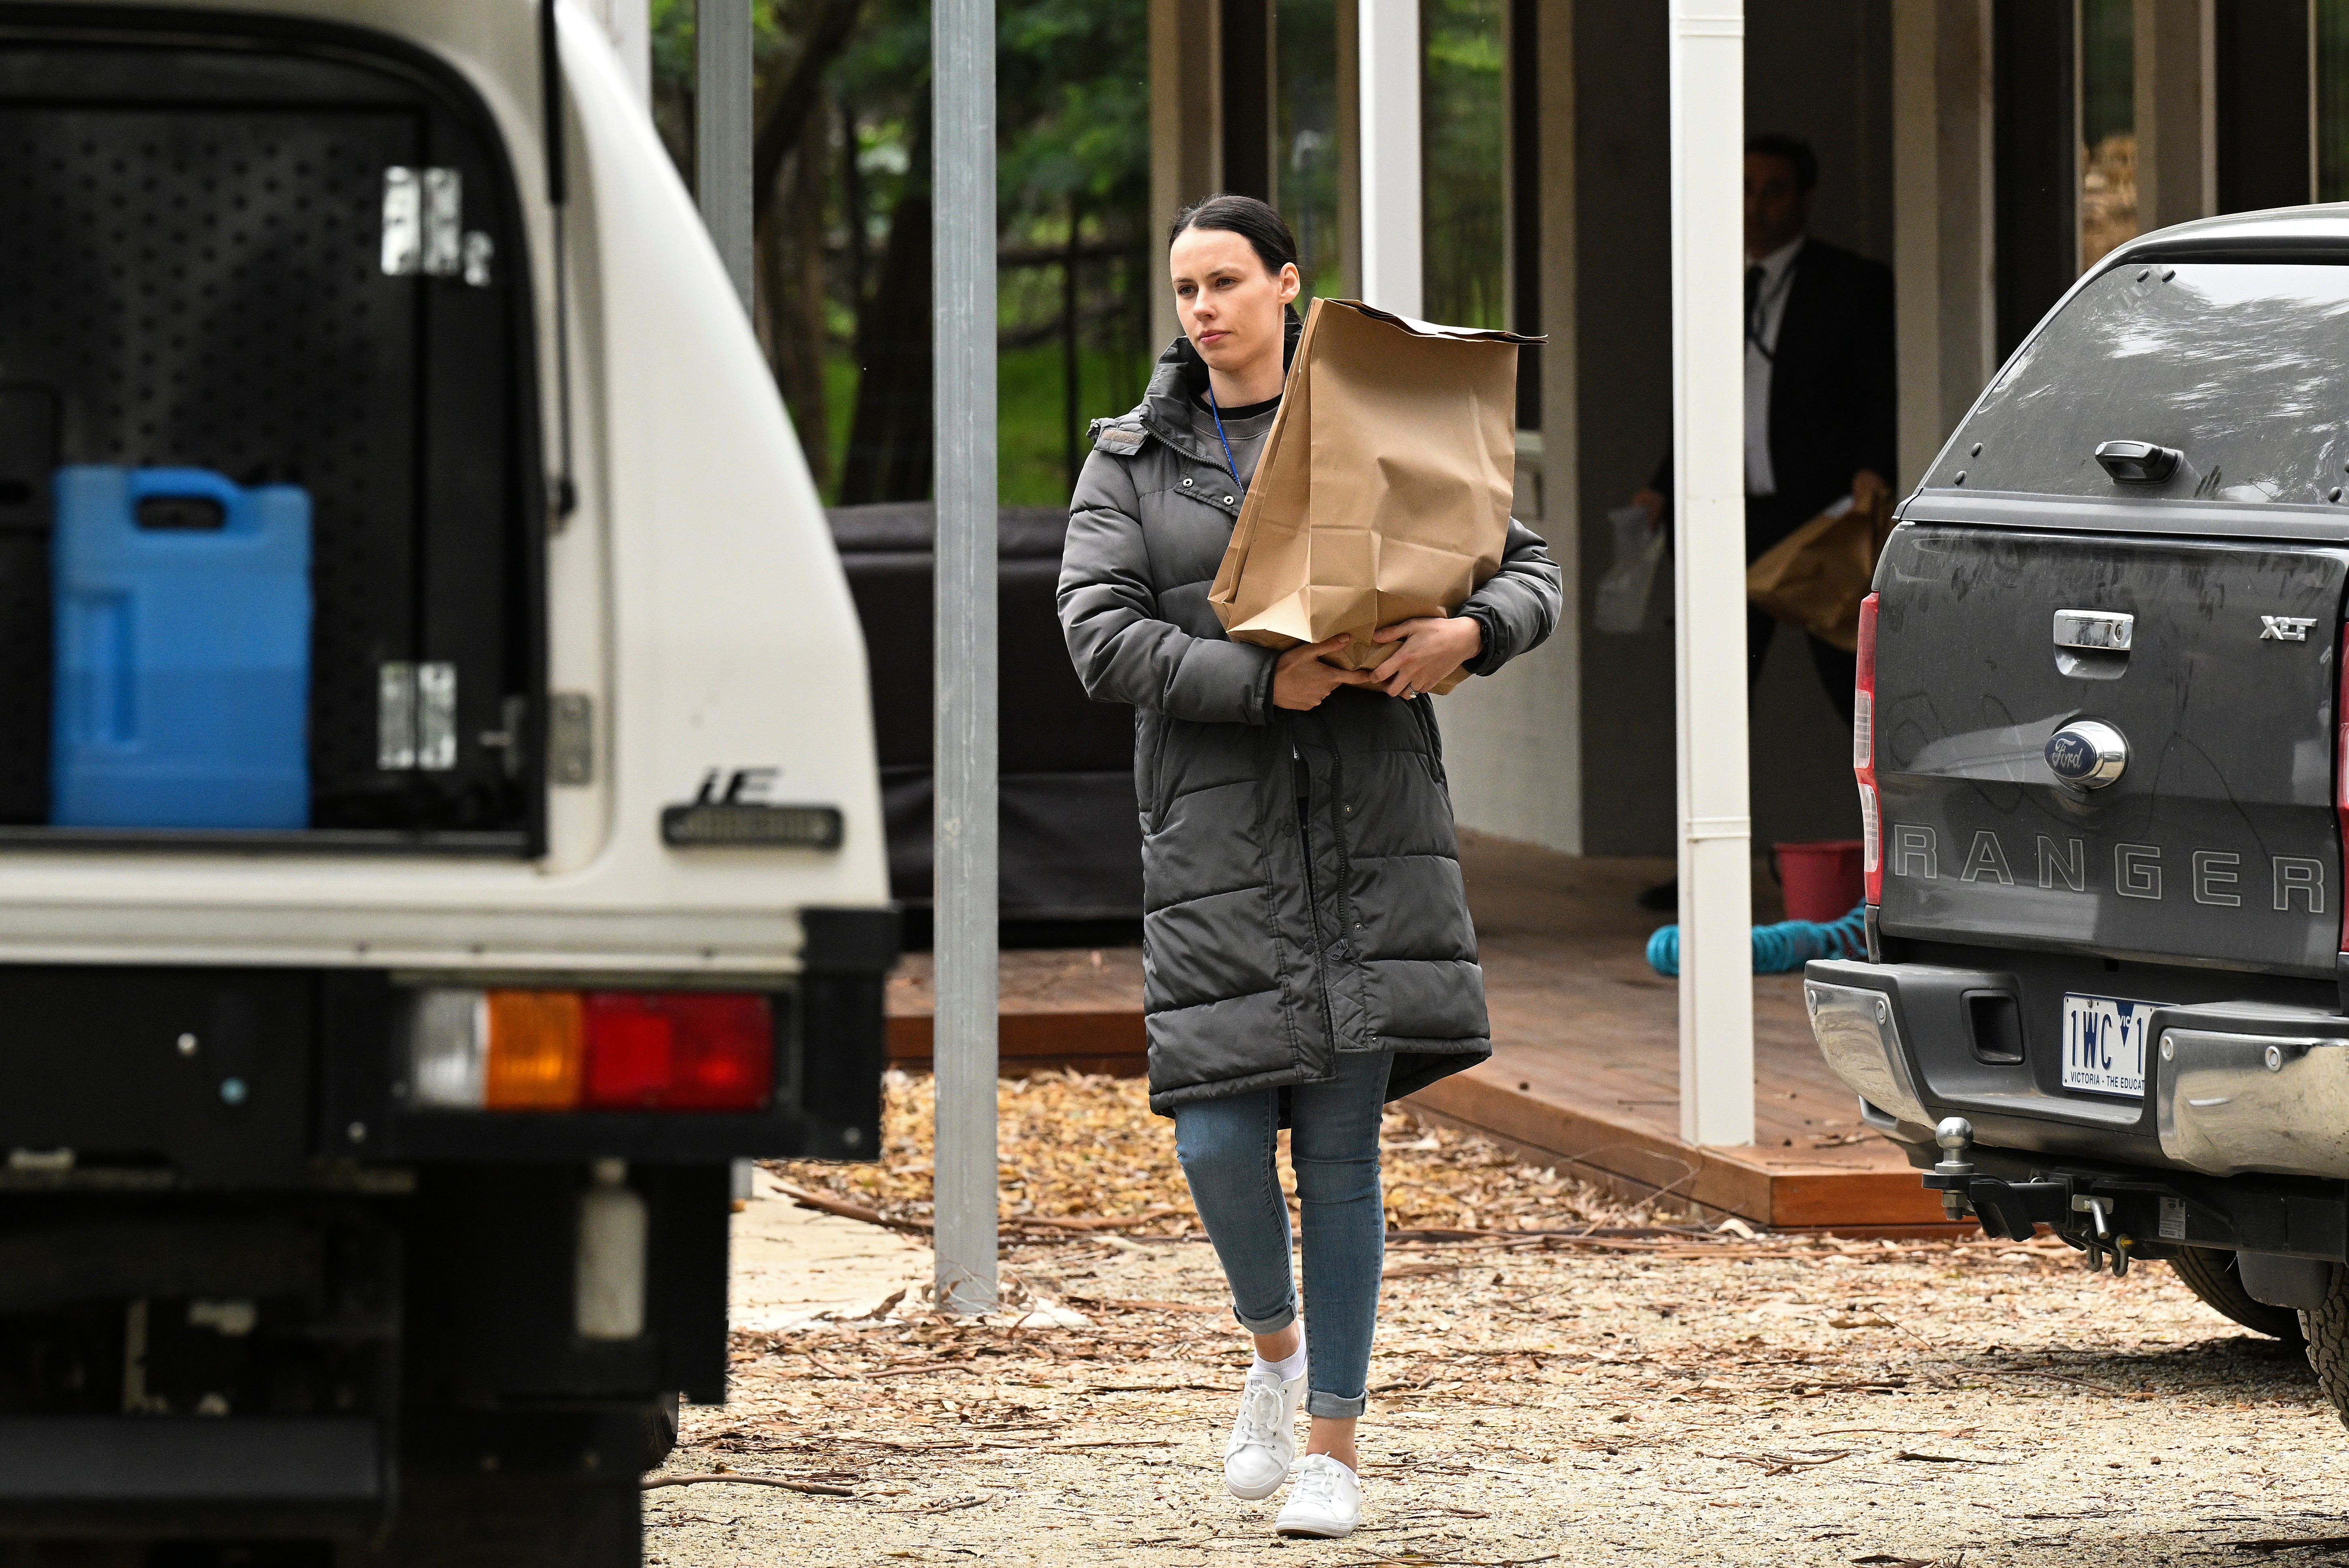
(1230,306)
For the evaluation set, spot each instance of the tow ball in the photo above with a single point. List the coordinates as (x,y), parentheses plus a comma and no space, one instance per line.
(1953,1177)
(2013,1211)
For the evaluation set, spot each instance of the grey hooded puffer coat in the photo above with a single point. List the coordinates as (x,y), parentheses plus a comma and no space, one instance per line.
(1301,878)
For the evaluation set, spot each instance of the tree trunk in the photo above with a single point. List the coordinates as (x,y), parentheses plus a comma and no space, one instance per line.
(791,282)
(889,442)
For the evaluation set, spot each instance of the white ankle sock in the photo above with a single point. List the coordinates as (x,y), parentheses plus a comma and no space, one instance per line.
(1293,1367)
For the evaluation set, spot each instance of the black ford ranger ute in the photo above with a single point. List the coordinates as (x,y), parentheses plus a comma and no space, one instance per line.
(2104,776)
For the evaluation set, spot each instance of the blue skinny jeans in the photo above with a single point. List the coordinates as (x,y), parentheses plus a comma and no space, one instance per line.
(1227,1149)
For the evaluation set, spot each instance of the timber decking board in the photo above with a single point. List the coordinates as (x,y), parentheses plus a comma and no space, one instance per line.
(1586,1062)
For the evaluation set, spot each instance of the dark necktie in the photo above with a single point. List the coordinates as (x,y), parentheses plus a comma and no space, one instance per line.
(1753,304)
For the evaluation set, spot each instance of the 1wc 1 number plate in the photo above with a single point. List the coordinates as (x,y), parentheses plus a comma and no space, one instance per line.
(2103,1044)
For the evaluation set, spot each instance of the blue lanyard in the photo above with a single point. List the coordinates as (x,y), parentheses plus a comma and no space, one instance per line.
(1227,440)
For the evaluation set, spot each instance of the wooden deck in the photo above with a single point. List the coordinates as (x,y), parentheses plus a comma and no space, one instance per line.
(1586,1058)
(1060,1007)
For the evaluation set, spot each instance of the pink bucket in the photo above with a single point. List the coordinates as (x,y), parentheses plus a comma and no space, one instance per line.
(1822,879)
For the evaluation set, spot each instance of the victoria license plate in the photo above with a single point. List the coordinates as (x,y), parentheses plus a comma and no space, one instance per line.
(2103,1044)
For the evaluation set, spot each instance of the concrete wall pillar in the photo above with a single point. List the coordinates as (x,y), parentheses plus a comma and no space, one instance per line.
(2177,119)
(1186,120)
(1943,231)
(1387,68)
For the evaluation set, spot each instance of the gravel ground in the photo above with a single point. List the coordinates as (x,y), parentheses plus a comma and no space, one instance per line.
(1659,1399)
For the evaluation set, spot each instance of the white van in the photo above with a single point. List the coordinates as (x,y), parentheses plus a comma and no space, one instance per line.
(367,1167)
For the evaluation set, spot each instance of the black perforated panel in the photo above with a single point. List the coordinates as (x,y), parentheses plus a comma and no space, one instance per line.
(191,233)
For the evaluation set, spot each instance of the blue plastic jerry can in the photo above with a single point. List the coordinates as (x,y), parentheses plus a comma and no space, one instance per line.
(183,651)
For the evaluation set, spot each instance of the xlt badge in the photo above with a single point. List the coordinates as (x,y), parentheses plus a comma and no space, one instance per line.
(2285,628)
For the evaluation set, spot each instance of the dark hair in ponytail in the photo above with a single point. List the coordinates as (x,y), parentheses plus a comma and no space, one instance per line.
(1252,220)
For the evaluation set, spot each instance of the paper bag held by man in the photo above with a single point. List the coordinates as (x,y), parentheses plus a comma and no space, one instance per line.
(1383,491)
(1815,577)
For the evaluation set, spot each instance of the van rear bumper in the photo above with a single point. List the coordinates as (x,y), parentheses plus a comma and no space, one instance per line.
(2231,1087)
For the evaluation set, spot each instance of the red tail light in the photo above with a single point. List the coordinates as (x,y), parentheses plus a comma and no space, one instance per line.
(677,1050)
(596,1050)
(1863,755)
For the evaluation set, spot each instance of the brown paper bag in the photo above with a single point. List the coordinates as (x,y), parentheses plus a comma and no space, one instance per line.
(1815,577)
(1383,491)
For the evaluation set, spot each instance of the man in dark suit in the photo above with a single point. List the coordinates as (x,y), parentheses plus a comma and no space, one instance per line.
(1819,386)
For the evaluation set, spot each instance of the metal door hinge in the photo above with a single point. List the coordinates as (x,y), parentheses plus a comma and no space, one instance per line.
(416,717)
(571,739)
(424,227)
(395,717)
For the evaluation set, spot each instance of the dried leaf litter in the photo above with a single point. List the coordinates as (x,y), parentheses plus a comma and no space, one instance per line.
(1082,1146)
(1648,1394)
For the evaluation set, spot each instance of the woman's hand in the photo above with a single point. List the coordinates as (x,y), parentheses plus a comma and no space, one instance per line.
(1432,648)
(1300,680)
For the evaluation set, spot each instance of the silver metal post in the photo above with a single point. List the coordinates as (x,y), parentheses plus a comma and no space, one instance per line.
(962,89)
(722,131)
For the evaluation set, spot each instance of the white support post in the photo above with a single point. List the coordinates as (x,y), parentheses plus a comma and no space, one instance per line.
(1716,992)
(1388,44)
(962,98)
(722,132)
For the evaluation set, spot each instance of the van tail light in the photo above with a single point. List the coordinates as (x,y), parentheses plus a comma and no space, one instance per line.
(533,1050)
(1863,756)
(596,1050)
(2340,776)
(678,1051)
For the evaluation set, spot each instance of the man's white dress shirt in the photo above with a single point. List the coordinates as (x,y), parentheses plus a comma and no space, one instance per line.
(1761,343)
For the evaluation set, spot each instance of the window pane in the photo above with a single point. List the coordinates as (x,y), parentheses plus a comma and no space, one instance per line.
(2241,365)
(2107,127)
(1305,149)
(2332,100)
(1464,115)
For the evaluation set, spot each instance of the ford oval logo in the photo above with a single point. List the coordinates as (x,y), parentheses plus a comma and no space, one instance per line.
(2088,754)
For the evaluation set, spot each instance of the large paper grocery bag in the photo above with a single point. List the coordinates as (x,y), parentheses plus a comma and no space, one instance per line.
(1383,491)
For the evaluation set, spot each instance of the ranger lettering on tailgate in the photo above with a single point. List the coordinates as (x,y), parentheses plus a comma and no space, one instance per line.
(2216,877)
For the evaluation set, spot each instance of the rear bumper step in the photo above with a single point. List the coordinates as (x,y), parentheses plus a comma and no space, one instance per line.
(2231,1087)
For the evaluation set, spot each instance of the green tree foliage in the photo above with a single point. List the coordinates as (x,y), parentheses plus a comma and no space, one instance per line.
(1464,119)
(1073,162)
(843,276)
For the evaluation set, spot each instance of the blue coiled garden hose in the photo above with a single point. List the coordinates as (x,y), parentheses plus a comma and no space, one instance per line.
(1779,949)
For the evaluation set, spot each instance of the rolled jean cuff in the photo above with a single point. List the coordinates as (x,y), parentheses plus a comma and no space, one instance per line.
(1273,1324)
(1331,1407)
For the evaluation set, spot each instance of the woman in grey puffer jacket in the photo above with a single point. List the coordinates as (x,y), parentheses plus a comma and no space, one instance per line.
(1307,953)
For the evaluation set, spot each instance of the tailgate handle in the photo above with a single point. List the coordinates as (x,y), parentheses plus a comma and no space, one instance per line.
(2097,631)
(2138,462)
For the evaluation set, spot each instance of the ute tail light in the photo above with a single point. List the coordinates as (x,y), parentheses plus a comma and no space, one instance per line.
(1863,755)
(596,1050)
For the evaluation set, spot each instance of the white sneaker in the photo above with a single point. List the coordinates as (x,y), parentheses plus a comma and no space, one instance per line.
(1264,1435)
(1328,1501)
